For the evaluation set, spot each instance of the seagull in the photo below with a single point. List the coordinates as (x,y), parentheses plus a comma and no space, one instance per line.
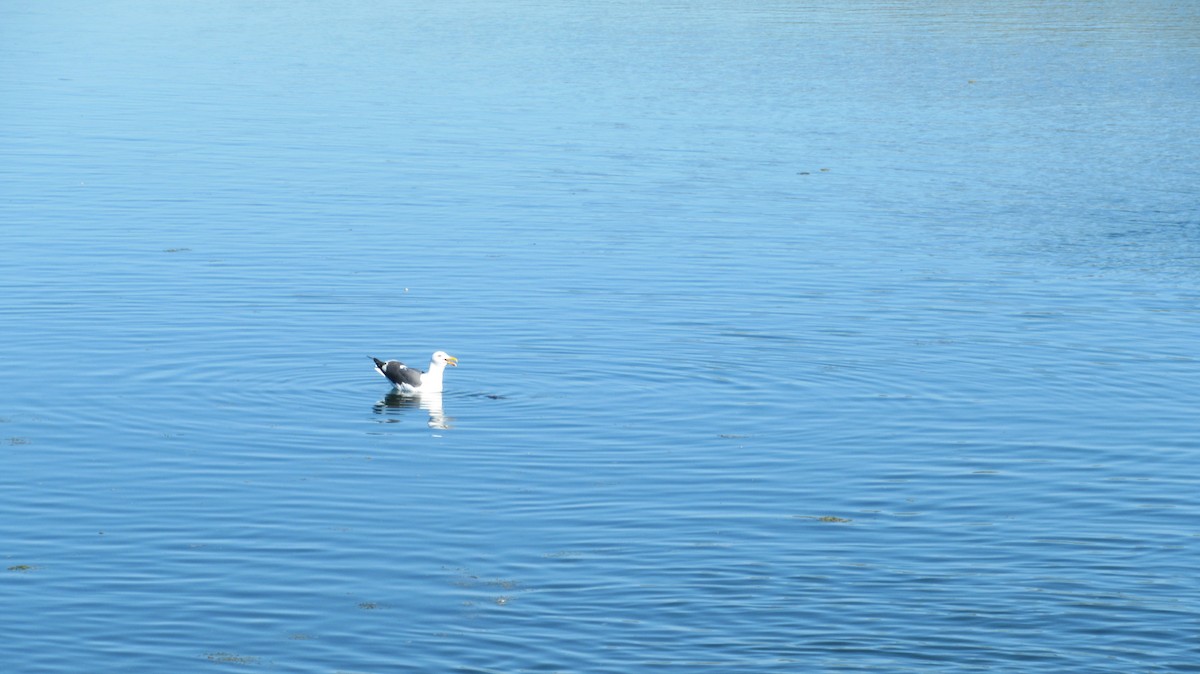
(411,380)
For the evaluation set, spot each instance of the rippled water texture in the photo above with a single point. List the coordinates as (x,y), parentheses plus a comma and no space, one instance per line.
(794,337)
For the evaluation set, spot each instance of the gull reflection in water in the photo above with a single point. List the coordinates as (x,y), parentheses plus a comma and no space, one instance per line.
(397,404)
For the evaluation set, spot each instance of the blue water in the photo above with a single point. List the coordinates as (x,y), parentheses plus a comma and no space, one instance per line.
(794,337)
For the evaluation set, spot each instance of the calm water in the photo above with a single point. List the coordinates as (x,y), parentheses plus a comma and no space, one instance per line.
(795,337)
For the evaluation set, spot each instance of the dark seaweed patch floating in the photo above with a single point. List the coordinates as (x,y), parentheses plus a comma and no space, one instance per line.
(22,568)
(825,518)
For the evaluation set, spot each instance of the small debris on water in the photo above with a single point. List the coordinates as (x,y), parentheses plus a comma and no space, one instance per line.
(232,658)
(829,519)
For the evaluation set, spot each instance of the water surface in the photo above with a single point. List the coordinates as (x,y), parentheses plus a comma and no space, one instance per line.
(794,337)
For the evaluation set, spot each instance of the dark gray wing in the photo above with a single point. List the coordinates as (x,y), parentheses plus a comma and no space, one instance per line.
(398,373)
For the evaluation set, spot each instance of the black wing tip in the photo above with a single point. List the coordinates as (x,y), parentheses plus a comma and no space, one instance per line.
(378,363)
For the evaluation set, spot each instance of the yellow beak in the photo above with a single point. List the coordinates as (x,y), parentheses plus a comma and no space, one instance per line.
(451,360)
